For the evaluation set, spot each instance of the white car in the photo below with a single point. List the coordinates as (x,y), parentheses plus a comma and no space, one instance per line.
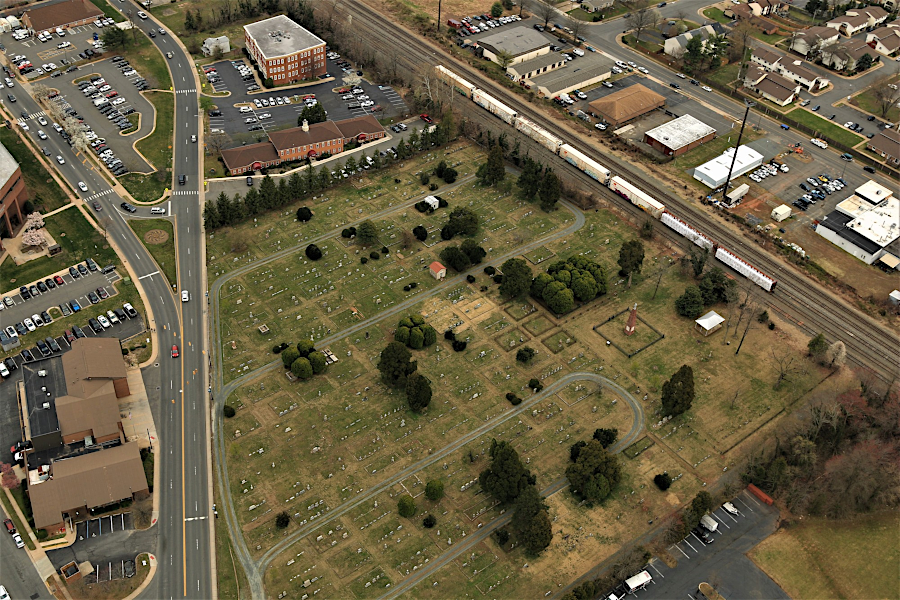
(82,187)
(41,134)
(42,120)
(730,508)
(60,159)
(118,101)
(257,102)
(18,540)
(29,324)
(601,126)
(185,296)
(25,126)
(104,322)
(142,14)
(644,70)
(706,88)
(265,116)
(62,45)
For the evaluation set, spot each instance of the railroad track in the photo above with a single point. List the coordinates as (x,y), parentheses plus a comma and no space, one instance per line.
(869,343)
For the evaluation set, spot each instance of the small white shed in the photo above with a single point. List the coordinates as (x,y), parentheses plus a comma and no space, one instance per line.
(432,202)
(780,213)
(709,323)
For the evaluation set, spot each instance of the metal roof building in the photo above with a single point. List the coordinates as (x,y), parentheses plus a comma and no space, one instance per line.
(679,135)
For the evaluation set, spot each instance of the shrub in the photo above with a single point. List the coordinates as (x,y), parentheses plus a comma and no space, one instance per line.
(432,186)
(313,252)
(405,288)
(525,354)
(302,369)
(406,506)
(449,335)
(535,384)
(384,250)
(420,233)
(402,335)
(364,260)
(413,285)
(763,317)
(282,520)
(489,271)
(374,255)
(345,233)
(498,279)
(317,362)
(502,537)
(470,278)
(513,399)
(429,522)
(304,214)
(228,411)
(424,178)
(442,203)
(42,534)
(459,345)
(434,490)
(663,481)
(450,175)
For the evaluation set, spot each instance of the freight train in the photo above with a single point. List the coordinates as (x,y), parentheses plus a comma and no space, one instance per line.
(601,174)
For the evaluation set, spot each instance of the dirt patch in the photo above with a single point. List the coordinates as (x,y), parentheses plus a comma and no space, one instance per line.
(169,12)
(156,236)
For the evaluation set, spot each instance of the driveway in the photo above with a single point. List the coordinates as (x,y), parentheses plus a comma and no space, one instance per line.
(722,563)
(110,546)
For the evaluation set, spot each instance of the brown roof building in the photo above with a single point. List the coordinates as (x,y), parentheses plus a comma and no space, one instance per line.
(95,360)
(12,193)
(625,105)
(90,481)
(94,412)
(65,14)
(297,143)
(886,144)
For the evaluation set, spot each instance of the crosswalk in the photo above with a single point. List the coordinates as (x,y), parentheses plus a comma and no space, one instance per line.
(98,195)
(184,193)
(190,91)
(41,113)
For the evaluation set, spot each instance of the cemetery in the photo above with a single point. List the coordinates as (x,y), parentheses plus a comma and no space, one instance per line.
(337,452)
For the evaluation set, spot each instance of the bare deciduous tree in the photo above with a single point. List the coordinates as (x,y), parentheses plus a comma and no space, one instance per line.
(885,96)
(836,354)
(642,18)
(577,27)
(544,11)
(216,142)
(740,37)
(785,366)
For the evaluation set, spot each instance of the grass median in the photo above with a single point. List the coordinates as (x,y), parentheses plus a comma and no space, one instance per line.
(43,191)
(21,527)
(825,128)
(156,148)
(158,237)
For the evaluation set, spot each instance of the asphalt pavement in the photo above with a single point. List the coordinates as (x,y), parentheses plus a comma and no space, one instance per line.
(18,574)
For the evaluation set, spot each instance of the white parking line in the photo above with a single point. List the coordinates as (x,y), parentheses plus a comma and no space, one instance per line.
(689,545)
(698,539)
(742,497)
(655,569)
(719,519)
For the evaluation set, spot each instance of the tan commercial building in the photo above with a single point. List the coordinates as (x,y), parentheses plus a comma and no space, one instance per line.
(679,135)
(12,196)
(72,487)
(626,105)
(65,14)
(521,43)
(284,51)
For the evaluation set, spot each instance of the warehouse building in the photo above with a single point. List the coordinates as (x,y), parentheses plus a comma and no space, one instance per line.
(521,43)
(535,66)
(867,225)
(626,105)
(284,51)
(65,14)
(679,135)
(584,72)
(715,172)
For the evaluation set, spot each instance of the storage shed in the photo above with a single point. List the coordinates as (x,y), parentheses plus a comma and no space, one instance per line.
(709,323)
(438,271)
(780,213)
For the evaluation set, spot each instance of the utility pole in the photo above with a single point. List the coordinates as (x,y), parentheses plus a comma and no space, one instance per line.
(438,30)
(737,147)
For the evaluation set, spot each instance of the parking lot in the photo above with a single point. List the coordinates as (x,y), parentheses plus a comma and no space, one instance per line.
(251,125)
(107,525)
(722,562)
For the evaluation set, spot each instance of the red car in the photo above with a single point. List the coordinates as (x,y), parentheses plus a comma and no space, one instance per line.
(426,118)
(10,528)
(59,280)
(174,351)
(70,337)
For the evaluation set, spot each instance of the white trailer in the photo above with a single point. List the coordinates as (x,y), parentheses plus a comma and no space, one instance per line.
(686,230)
(745,269)
(583,163)
(636,196)
(494,106)
(538,134)
(458,83)
(638,582)
(709,523)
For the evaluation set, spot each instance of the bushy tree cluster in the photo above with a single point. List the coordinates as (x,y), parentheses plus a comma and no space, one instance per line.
(459,258)
(678,392)
(525,354)
(516,277)
(566,281)
(714,287)
(535,180)
(445,172)
(462,221)
(398,370)
(594,472)
(510,482)
(493,170)
(303,360)
(458,345)
(414,332)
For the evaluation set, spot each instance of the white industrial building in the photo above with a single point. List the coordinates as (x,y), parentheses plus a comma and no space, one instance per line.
(521,43)
(865,224)
(714,173)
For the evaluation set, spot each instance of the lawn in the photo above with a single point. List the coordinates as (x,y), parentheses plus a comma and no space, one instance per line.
(648,46)
(21,527)
(156,148)
(727,74)
(162,251)
(604,15)
(716,14)
(868,103)
(172,16)
(857,558)
(825,128)
(78,241)
(108,10)
(43,191)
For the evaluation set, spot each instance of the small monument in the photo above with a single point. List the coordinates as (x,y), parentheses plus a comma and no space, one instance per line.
(632,320)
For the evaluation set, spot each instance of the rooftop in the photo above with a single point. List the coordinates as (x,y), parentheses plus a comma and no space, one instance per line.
(8,165)
(55,14)
(873,191)
(822,33)
(280,36)
(97,412)
(243,156)
(575,73)
(295,137)
(776,86)
(539,62)
(879,224)
(886,141)
(767,56)
(94,358)
(516,40)
(627,104)
(43,421)
(837,222)
(680,132)
(717,168)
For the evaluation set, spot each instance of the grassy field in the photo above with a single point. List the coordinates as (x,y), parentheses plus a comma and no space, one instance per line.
(727,74)
(606,14)
(716,14)
(859,558)
(868,103)
(825,128)
(163,252)
(43,191)
(172,16)
(156,148)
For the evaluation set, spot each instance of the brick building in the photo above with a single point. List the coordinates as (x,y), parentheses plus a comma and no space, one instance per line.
(65,14)
(12,195)
(284,51)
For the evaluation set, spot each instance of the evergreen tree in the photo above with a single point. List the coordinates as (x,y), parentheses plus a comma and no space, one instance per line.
(516,278)
(302,369)
(267,193)
(367,233)
(418,392)
(530,179)
(317,361)
(395,364)
(506,476)
(690,303)
(678,392)
(252,202)
(295,187)
(817,346)
(406,506)
(595,472)
(532,522)
(631,258)
(211,219)
(493,171)
(550,191)
(284,194)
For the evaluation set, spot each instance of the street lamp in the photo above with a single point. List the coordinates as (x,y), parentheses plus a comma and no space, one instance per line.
(737,146)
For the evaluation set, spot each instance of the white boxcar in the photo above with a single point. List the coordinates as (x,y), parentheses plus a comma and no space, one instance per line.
(494,106)
(458,83)
(686,230)
(583,163)
(538,134)
(636,196)
(747,270)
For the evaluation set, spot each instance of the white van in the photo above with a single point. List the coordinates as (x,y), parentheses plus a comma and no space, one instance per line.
(709,523)
(578,51)
(245,109)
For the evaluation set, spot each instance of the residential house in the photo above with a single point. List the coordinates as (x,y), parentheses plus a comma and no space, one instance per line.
(771,86)
(65,14)
(593,6)
(210,45)
(811,40)
(676,46)
(764,7)
(846,56)
(794,70)
(858,19)
(886,144)
(745,12)
(885,40)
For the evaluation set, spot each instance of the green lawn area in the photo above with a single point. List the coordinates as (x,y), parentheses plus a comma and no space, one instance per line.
(22,528)
(823,558)
(727,74)
(78,240)
(649,46)
(43,191)
(108,10)
(868,103)
(716,14)
(164,253)
(800,16)
(157,148)
(711,149)
(605,15)
(825,128)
